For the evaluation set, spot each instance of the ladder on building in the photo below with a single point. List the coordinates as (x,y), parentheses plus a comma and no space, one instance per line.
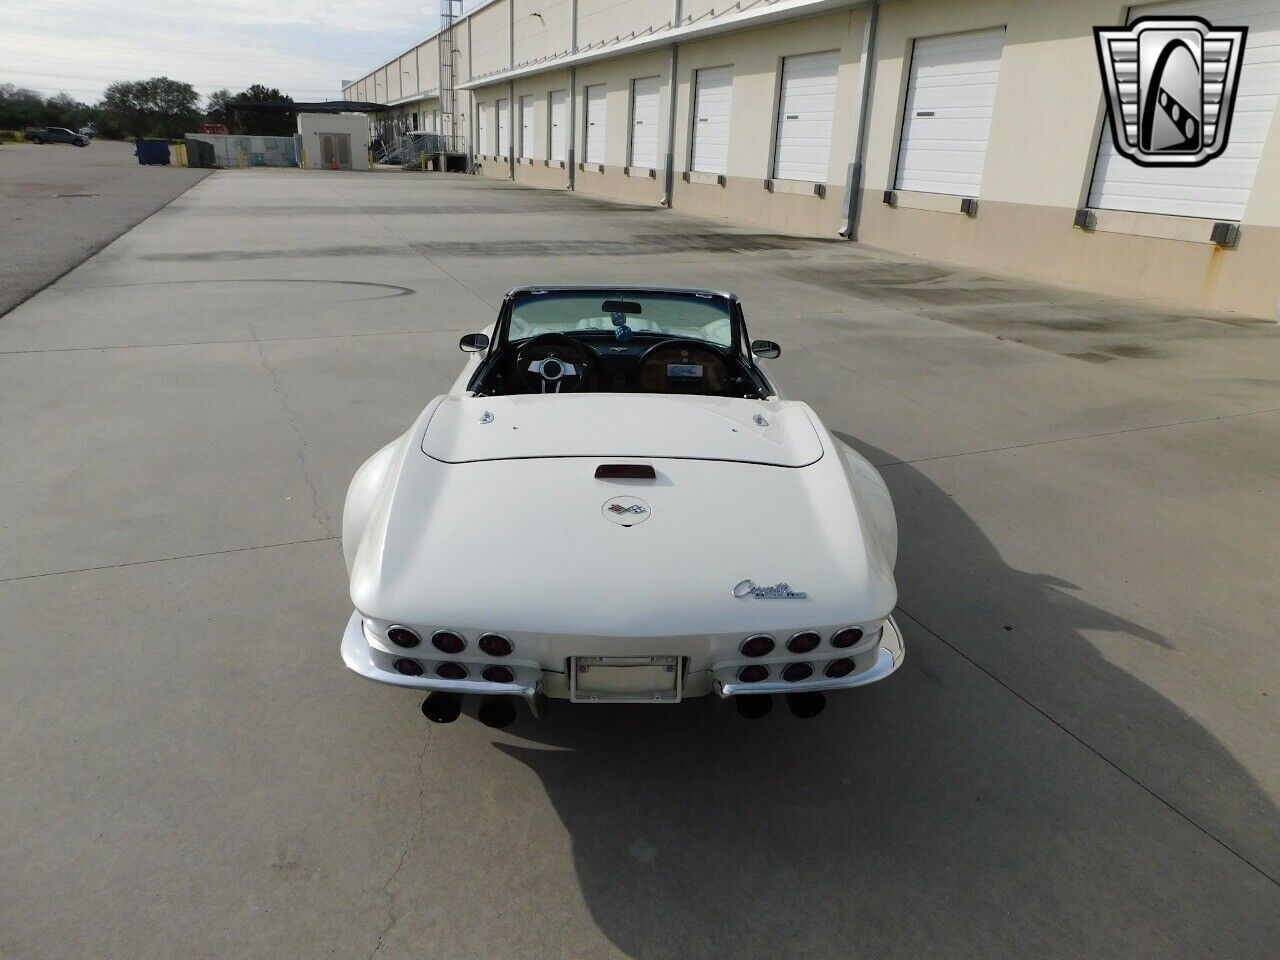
(450,10)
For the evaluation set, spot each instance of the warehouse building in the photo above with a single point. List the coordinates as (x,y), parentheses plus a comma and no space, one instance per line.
(972,131)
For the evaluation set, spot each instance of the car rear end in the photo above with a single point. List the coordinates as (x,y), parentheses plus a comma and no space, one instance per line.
(626,579)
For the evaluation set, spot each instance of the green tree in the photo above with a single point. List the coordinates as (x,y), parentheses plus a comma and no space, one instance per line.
(158,107)
(263,123)
(221,109)
(20,108)
(63,110)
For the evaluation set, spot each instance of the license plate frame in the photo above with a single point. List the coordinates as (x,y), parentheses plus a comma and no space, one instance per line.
(643,679)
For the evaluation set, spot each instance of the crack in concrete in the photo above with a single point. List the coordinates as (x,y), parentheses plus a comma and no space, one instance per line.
(184,556)
(325,521)
(385,890)
(218,343)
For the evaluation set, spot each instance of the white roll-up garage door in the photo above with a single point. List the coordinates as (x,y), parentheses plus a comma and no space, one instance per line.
(504,128)
(593,123)
(644,123)
(712,107)
(557,126)
(528,134)
(1219,189)
(806,110)
(951,95)
(485,146)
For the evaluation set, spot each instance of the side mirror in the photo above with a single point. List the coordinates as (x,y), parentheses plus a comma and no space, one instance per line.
(474,343)
(766,349)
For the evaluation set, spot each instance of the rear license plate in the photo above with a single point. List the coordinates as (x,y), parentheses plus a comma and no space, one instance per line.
(625,679)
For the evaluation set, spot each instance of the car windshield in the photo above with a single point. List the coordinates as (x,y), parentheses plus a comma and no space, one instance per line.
(622,314)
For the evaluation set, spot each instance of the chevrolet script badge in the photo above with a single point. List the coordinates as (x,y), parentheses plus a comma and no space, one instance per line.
(779,591)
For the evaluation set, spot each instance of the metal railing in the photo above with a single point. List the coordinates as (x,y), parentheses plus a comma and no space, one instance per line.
(409,149)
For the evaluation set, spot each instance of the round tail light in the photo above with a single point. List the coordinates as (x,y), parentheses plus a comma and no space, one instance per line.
(494,645)
(759,646)
(451,671)
(840,668)
(497,674)
(447,641)
(410,668)
(753,673)
(797,671)
(803,642)
(846,637)
(403,637)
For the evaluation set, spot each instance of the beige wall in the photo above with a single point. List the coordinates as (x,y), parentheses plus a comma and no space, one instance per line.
(409,74)
(537,38)
(489,46)
(428,57)
(602,21)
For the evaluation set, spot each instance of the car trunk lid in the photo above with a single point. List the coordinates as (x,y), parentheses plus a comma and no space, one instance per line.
(474,429)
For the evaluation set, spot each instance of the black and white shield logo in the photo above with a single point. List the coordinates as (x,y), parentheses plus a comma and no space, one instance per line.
(1171,86)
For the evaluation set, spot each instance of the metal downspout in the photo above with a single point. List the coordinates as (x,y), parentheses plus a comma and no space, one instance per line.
(571,153)
(853,183)
(511,91)
(673,84)
(474,122)
(511,130)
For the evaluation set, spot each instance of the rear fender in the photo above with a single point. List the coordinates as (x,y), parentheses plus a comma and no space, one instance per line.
(874,503)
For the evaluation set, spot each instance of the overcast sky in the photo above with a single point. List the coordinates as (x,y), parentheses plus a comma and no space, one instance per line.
(304,47)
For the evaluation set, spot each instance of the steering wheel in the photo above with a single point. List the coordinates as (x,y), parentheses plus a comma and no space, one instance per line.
(704,363)
(554,363)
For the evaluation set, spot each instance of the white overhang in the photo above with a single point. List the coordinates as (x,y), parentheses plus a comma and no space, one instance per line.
(415,98)
(741,20)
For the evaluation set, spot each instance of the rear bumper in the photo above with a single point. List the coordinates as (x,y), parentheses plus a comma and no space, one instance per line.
(532,681)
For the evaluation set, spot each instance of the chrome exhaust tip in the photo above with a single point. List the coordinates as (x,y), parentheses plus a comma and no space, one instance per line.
(808,705)
(441,707)
(753,706)
(496,713)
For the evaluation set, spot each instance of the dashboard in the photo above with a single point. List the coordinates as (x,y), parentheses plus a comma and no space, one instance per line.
(646,364)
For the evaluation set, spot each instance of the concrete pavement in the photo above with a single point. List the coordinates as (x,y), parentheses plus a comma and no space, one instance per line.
(59,204)
(1077,760)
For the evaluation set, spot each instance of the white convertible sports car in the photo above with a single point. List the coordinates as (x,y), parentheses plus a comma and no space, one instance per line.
(614,503)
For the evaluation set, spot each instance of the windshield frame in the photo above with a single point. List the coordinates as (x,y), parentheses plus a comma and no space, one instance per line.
(733,348)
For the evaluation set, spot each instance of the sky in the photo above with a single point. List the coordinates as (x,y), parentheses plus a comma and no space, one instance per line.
(304,47)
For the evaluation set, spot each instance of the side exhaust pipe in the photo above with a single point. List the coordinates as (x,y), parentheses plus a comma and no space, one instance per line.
(806,706)
(441,707)
(496,713)
(753,706)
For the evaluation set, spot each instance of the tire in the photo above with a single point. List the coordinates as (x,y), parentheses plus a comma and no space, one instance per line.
(82,143)
(37,140)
